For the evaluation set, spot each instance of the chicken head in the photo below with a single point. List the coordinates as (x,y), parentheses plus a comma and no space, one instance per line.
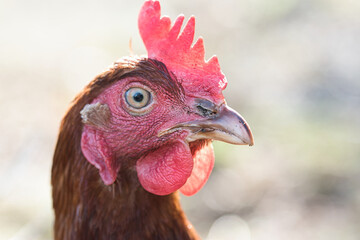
(162,115)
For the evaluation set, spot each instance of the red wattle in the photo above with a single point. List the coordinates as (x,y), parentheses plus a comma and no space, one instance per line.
(166,169)
(204,160)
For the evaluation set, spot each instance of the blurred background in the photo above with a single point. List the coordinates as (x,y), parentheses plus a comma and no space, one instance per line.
(293,68)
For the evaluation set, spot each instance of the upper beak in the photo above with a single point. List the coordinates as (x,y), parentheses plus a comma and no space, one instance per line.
(227,126)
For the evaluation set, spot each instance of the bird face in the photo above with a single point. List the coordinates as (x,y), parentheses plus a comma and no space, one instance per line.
(148,117)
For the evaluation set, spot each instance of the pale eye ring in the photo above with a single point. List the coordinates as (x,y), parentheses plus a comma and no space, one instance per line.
(137,97)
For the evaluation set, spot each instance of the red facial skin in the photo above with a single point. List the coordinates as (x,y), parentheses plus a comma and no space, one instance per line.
(164,164)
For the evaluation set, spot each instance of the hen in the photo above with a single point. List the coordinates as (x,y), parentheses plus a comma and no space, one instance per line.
(139,132)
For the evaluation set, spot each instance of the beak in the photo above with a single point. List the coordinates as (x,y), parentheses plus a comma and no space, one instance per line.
(227,126)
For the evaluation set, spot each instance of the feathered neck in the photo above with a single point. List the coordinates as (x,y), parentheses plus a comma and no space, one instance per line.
(85,208)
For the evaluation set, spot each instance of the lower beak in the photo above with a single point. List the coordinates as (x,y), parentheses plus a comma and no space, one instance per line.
(227,126)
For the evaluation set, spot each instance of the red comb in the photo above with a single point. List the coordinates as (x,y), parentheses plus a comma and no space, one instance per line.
(175,50)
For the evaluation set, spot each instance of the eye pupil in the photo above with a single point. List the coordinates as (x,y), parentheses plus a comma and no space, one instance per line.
(138,97)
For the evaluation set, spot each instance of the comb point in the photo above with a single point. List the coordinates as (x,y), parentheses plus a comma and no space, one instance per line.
(175,30)
(198,49)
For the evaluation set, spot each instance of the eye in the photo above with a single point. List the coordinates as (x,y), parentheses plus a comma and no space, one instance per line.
(137,97)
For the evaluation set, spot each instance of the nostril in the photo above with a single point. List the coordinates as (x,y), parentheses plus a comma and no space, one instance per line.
(206,108)
(206,112)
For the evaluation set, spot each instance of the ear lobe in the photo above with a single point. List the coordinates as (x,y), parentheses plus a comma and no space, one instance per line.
(98,153)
